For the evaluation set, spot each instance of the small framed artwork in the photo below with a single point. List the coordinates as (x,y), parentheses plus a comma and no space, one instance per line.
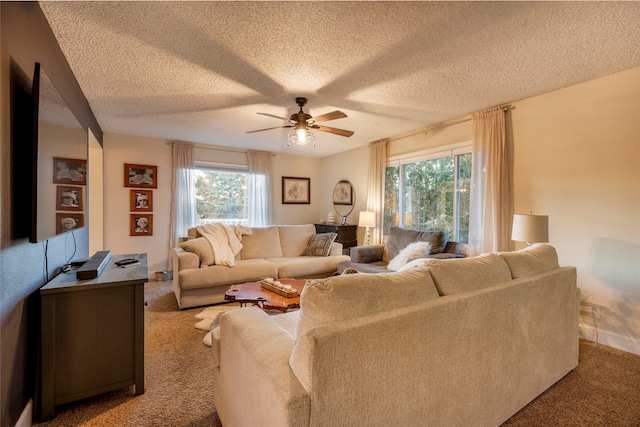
(68,221)
(296,190)
(69,171)
(69,198)
(342,193)
(143,176)
(141,225)
(141,200)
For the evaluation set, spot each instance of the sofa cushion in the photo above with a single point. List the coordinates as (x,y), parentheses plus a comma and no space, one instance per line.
(246,270)
(531,260)
(307,266)
(399,238)
(262,243)
(201,247)
(294,238)
(338,298)
(319,244)
(454,276)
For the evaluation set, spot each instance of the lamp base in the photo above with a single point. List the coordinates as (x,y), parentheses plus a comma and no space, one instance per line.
(367,237)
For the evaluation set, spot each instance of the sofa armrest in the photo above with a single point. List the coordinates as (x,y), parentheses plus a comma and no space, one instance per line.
(183,260)
(451,248)
(256,385)
(336,249)
(366,254)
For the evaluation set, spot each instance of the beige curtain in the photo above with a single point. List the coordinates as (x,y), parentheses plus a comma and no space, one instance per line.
(259,209)
(183,194)
(491,190)
(375,187)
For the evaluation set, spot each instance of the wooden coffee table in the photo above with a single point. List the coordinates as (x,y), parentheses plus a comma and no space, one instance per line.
(253,293)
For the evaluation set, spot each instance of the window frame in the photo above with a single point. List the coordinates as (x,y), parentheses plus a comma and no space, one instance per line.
(225,168)
(451,150)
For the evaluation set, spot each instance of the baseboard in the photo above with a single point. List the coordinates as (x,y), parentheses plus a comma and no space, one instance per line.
(27,415)
(611,339)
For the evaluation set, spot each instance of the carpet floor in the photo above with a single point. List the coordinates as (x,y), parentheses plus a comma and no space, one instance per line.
(604,390)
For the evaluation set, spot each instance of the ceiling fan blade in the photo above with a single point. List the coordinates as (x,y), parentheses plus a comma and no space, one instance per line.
(277,127)
(330,116)
(274,116)
(335,131)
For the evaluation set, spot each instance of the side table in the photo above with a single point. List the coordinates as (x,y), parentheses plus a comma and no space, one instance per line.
(346,234)
(92,334)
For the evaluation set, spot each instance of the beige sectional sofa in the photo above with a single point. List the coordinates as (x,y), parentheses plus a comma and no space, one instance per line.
(454,342)
(274,251)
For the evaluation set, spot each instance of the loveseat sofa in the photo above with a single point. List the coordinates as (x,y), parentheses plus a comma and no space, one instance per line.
(455,342)
(376,258)
(275,251)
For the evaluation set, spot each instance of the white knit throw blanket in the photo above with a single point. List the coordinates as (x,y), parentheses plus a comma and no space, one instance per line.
(225,241)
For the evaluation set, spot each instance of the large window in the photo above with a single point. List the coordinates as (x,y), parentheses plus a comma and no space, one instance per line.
(430,192)
(221,194)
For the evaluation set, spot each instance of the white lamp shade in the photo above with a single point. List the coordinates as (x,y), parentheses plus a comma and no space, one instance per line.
(530,228)
(367,219)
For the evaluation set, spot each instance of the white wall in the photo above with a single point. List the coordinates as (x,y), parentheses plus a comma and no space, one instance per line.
(577,159)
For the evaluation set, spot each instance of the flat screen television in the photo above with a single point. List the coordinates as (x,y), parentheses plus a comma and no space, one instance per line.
(59,163)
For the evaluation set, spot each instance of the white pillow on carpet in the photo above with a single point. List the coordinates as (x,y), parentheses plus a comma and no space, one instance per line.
(410,252)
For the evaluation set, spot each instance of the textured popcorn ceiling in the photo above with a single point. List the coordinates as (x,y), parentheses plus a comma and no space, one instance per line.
(200,71)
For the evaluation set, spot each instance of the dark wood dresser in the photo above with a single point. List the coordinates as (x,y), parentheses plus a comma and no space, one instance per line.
(346,234)
(92,334)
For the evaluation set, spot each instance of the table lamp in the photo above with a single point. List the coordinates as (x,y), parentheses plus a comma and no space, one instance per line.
(530,228)
(367,219)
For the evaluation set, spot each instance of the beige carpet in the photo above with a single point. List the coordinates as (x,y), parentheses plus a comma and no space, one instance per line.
(604,390)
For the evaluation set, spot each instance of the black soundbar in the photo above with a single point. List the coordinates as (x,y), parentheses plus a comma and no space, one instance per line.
(94,267)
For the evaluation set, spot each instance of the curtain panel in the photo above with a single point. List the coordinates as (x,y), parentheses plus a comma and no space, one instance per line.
(375,186)
(259,191)
(491,189)
(183,194)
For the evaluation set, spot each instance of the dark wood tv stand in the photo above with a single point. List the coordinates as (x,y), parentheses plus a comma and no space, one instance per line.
(92,334)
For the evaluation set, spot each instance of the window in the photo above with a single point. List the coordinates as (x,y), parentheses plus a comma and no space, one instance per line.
(431,189)
(221,193)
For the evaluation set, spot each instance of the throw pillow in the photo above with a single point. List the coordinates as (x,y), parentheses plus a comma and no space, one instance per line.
(411,251)
(319,244)
(200,247)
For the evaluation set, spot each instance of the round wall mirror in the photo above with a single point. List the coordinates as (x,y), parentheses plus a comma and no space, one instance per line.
(344,197)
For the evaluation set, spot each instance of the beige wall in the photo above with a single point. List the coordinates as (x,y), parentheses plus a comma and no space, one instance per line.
(121,149)
(577,159)
(353,166)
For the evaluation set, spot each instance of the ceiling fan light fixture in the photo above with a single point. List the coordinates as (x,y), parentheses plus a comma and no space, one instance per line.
(301,136)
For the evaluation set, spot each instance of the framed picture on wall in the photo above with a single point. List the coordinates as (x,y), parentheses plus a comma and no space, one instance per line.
(141,176)
(141,225)
(68,221)
(68,198)
(296,190)
(69,171)
(141,200)
(342,193)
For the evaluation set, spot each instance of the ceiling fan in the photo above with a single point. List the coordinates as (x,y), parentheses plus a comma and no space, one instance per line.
(302,122)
